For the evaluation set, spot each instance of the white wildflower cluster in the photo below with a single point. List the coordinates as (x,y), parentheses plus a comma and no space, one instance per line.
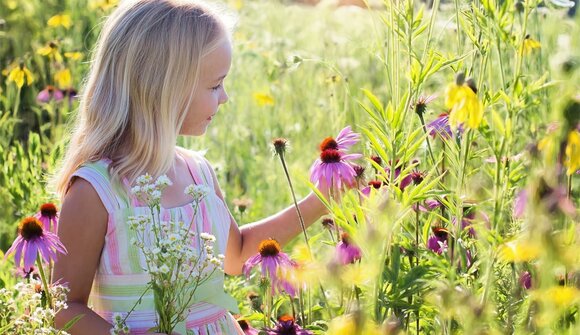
(119,325)
(23,310)
(149,191)
(176,257)
(197,192)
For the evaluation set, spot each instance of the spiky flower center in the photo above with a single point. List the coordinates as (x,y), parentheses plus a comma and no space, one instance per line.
(328,223)
(279,145)
(345,238)
(30,228)
(269,248)
(328,143)
(377,160)
(376,184)
(330,156)
(244,324)
(440,232)
(286,318)
(359,171)
(48,209)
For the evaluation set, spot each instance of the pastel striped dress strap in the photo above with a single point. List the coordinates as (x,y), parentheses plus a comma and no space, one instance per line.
(97,174)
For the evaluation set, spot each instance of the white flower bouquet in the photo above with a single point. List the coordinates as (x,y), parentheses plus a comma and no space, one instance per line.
(178,257)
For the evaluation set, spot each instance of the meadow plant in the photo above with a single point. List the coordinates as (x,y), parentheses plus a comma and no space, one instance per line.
(178,257)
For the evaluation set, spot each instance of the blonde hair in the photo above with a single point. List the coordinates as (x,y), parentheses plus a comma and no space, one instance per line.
(144,72)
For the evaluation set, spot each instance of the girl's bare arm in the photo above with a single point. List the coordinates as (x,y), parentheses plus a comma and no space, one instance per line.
(82,229)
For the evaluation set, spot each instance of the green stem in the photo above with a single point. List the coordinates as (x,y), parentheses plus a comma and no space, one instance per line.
(301,219)
(44,282)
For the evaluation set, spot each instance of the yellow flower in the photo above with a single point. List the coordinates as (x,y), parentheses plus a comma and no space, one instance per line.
(264,99)
(63,78)
(528,45)
(60,20)
(559,296)
(519,251)
(18,74)
(346,324)
(572,160)
(333,79)
(465,108)
(104,5)
(73,55)
(50,50)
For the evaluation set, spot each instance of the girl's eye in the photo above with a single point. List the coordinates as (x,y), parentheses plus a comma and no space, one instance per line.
(215,88)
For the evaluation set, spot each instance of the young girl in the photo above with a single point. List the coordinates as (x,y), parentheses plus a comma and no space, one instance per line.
(158,72)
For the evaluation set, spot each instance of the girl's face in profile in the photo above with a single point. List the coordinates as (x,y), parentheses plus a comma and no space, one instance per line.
(210,92)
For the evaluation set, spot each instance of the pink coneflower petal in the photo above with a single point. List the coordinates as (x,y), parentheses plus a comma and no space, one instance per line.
(347,138)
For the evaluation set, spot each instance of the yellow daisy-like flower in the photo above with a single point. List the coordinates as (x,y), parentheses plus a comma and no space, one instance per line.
(264,99)
(572,160)
(60,20)
(519,251)
(529,45)
(465,108)
(19,74)
(50,50)
(63,78)
(73,55)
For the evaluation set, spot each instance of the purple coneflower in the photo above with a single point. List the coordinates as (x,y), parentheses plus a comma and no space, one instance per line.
(272,259)
(346,252)
(373,184)
(440,126)
(430,204)
(287,326)
(247,328)
(438,241)
(334,167)
(31,241)
(49,93)
(48,215)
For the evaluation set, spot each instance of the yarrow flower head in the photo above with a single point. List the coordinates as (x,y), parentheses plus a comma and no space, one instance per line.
(33,240)
(197,192)
(461,98)
(48,215)
(272,260)
(287,326)
(346,251)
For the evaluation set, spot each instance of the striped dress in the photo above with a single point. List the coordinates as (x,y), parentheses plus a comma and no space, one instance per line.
(120,278)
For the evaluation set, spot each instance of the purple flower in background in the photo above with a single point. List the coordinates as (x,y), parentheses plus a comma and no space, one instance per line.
(526,280)
(438,241)
(272,259)
(49,93)
(346,252)
(373,184)
(334,167)
(430,204)
(287,326)
(520,204)
(33,240)
(440,126)
(48,215)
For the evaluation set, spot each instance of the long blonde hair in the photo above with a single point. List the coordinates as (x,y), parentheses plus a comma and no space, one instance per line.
(143,74)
